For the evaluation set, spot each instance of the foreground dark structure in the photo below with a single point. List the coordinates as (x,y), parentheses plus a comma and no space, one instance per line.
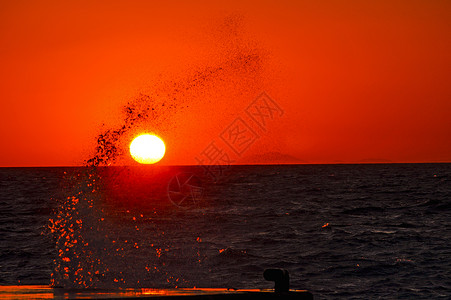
(280,277)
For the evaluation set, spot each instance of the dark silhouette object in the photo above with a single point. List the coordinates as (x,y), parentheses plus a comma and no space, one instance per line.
(281,278)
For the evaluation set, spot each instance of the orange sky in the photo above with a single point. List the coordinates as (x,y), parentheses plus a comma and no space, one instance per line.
(358,81)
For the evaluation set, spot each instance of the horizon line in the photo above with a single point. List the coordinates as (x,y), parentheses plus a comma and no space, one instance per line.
(244,164)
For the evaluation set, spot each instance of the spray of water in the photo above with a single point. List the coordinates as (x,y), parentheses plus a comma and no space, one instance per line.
(103,242)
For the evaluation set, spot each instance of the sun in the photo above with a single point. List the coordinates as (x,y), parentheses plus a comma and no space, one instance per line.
(147,149)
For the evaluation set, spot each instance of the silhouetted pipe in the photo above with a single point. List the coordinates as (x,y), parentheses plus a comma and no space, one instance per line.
(281,278)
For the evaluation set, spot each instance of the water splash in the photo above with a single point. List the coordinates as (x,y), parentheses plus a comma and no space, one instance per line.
(110,229)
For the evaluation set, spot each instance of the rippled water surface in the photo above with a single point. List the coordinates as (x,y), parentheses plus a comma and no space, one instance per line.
(362,231)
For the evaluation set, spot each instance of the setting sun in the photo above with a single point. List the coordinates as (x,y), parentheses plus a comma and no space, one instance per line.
(147,149)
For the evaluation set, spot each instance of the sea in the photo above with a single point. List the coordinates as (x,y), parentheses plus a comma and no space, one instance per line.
(363,231)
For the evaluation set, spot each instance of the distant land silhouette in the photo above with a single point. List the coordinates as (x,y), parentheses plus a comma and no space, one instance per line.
(270,158)
(375,160)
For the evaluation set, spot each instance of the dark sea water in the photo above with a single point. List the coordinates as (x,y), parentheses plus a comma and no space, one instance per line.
(342,231)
